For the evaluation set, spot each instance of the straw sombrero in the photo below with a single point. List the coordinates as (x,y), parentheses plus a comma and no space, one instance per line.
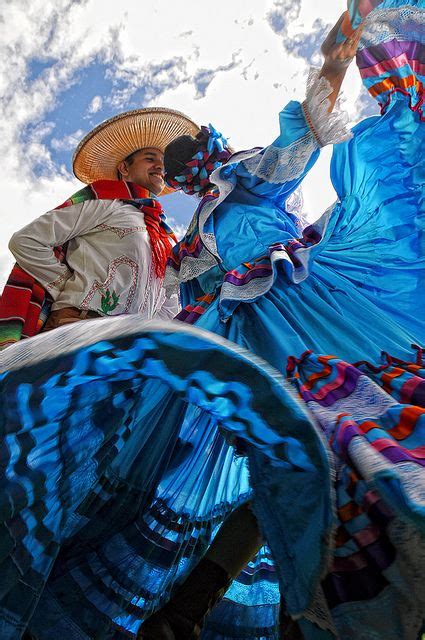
(100,151)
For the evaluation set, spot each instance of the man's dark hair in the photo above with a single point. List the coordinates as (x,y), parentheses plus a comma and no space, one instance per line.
(129,160)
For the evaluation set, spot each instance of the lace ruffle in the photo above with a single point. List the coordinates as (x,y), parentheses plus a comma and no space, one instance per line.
(253,281)
(389,55)
(274,164)
(327,128)
(398,23)
(282,164)
(191,267)
(279,165)
(295,205)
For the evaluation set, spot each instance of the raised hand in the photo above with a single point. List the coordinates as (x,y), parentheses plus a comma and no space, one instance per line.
(339,55)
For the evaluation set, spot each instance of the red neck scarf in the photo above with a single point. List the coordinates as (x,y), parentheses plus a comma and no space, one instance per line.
(140,197)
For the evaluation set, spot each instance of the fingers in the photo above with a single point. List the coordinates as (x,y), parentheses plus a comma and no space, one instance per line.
(331,37)
(353,42)
(358,32)
(337,26)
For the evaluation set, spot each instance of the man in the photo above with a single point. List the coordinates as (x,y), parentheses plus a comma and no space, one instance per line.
(103,252)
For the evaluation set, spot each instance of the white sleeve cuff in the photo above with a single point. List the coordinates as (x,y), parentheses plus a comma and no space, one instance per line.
(327,128)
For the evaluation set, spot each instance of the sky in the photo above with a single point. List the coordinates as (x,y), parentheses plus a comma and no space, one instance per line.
(70,64)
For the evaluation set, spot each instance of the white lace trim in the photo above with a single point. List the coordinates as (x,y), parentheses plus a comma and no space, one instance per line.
(328,128)
(247,292)
(225,186)
(370,462)
(282,164)
(318,612)
(367,401)
(404,598)
(190,268)
(272,164)
(278,165)
(209,257)
(382,25)
(295,205)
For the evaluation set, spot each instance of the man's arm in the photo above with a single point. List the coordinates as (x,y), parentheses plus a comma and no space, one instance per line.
(32,246)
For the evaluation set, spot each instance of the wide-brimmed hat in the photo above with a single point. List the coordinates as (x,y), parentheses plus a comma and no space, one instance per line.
(100,151)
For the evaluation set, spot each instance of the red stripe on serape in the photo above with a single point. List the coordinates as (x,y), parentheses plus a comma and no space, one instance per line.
(20,307)
(388,377)
(408,419)
(321,374)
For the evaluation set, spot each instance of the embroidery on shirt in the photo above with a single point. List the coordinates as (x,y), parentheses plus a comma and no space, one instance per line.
(108,301)
(104,286)
(57,284)
(120,231)
(148,289)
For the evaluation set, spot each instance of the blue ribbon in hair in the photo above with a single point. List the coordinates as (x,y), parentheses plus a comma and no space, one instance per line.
(216,140)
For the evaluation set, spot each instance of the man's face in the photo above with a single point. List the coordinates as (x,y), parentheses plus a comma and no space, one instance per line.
(145,168)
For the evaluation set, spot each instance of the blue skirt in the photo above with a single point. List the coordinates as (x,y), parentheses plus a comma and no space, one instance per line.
(117,439)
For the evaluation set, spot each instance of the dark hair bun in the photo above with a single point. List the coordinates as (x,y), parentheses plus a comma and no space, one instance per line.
(179,152)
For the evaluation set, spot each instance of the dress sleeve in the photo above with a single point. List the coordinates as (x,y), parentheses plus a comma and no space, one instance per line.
(277,170)
(169,309)
(33,245)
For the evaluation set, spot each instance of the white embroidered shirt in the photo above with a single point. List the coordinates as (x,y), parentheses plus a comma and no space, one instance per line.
(109,259)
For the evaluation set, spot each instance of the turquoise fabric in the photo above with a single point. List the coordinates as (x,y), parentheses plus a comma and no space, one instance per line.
(123,560)
(365,272)
(117,446)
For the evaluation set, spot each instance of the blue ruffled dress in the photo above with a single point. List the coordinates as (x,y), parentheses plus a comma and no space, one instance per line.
(116,449)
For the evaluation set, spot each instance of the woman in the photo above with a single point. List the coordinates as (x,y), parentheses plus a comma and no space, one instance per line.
(349,286)
(114,488)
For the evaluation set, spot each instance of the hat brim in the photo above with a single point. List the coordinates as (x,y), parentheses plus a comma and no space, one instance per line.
(99,153)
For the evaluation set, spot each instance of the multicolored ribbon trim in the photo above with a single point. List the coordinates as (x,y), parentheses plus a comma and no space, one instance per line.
(212,154)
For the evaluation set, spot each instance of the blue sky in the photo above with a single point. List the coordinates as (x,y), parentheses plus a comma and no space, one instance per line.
(72,64)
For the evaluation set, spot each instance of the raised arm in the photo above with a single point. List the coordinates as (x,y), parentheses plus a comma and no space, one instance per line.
(278,169)
(338,57)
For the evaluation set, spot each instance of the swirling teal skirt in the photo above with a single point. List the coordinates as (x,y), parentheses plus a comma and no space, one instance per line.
(117,440)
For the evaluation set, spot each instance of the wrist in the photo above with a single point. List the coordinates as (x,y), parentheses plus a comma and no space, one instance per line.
(336,67)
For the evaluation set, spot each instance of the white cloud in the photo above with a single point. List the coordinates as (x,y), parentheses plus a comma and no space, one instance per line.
(179,229)
(225,63)
(95,104)
(67,143)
